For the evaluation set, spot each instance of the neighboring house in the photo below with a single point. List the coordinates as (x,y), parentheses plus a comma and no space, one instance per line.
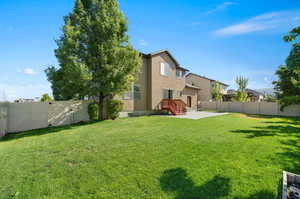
(254,96)
(24,101)
(163,82)
(206,86)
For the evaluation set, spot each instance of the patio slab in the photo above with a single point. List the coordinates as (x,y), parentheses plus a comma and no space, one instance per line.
(197,115)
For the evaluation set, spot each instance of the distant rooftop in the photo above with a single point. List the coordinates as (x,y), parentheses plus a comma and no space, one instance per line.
(208,79)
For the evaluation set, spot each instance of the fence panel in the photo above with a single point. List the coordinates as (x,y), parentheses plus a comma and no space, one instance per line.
(225,106)
(269,108)
(27,116)
(293,110)
(3,119)
(18,117)
(251,108)
(236,107)
(261,108)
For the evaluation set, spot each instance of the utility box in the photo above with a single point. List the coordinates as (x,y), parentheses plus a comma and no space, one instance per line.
(290,186)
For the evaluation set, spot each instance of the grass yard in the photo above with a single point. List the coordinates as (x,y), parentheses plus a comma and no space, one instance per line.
(232,156)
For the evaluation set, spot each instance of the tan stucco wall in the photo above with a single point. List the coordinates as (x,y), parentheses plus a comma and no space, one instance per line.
(205,94)
(194,94)
(142,81)
(160,82)
(203,84)
(128,104)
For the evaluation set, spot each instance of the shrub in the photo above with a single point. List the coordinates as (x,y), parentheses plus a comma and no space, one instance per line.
(93,109)
(114,107)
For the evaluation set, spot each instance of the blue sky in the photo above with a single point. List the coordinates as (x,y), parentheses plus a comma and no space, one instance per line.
(218,39)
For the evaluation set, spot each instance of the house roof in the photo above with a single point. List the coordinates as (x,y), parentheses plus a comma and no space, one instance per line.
(192,86)
(170,55)
(249,91)
(207,78)
(254,92)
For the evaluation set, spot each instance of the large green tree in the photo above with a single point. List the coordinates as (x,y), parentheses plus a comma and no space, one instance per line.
(288,84)
(94,53)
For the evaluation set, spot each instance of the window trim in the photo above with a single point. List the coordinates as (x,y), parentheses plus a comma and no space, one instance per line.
(167,72)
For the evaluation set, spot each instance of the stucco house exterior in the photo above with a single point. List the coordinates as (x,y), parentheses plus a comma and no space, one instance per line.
(161,82)
(206,86)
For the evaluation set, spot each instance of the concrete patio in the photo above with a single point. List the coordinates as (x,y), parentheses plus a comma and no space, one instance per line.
(197,115)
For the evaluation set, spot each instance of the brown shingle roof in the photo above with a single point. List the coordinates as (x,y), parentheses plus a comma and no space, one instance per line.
(207,78)
(170,55)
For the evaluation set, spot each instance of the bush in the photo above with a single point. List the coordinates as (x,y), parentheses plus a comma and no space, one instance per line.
(93,111)
(114,107)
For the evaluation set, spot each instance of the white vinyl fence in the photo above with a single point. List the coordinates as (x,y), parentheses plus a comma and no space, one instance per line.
(18,117)
(260,108)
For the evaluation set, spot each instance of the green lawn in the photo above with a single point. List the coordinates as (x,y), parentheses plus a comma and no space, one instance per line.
(232,156)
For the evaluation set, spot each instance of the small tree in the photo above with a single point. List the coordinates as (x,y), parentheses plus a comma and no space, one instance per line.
(288,84)
(217,92)
(270,98)
(46,98)
(241,95)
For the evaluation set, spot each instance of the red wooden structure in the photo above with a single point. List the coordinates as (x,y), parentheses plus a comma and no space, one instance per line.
(175,106)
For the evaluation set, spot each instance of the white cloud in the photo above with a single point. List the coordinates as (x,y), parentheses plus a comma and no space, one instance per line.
(28,71)
(220,7)
(274,21)
(30,91)
(143,43)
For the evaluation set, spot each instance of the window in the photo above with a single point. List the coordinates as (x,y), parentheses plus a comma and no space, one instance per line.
(165,69)
(137,92)
(127,96)
(167,94)
(180,73)
(179,93)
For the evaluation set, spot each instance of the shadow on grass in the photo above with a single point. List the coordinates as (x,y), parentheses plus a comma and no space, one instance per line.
(288,132)
(260,195)
(39,132)
(177,180)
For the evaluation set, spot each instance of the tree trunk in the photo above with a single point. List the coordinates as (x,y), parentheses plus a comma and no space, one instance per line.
(101,112)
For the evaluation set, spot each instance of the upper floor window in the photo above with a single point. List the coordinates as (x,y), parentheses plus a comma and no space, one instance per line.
(165,69)
(180,73)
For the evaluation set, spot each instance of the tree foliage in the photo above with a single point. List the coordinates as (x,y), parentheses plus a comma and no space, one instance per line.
(242,95)
(46,98)
(288,84)
(217,91)
(270,98)
(94,54)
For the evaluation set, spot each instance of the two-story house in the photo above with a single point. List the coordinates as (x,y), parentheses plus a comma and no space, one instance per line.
(163,83)
(161,78)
